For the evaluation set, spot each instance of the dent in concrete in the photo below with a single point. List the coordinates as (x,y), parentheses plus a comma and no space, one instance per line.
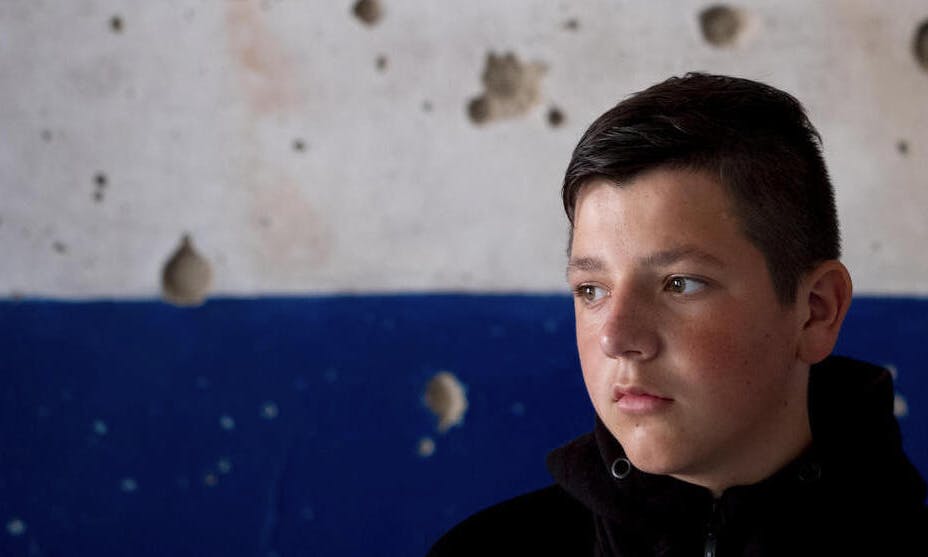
(445,397)
(187,276)
(16,527)
(100,182)
(368,11)
(920,44)
(722,25)
(511,88)
(426,447)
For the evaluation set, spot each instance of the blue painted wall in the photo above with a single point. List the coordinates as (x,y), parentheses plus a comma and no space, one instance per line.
(290,426)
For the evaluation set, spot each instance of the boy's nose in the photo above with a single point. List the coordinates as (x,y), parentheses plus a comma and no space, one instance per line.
(627,332)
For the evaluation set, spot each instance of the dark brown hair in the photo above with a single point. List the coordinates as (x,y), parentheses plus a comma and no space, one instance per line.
(756,140)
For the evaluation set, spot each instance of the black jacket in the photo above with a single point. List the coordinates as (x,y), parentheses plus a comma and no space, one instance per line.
(853,492)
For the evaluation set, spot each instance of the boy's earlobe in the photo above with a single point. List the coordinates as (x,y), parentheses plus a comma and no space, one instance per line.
(826,291)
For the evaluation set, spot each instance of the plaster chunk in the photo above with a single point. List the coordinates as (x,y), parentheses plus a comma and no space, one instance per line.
(446,398)
(368,11)
(921,44)
(722,25)
(187,276)
(511,88)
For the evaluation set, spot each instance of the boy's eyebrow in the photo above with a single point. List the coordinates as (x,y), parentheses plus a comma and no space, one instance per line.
(592,264)
(673,255)
(662,258)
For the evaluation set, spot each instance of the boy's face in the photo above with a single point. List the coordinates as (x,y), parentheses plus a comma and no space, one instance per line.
(688,357)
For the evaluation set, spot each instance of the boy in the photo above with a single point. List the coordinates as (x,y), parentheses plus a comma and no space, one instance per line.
(708,296)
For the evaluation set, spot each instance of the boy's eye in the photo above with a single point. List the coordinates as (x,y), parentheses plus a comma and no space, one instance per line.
(684,285)
(589,293)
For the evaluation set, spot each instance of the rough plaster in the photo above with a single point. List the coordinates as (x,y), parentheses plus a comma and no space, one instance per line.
(307,151)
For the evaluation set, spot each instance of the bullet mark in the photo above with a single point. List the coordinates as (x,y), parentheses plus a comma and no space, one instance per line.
(269,410)
(555,117)
(99,427)
(224,465)
(426,106)
(187,276)
(572,24)
(100,182)
(116,24)
(226,422)
(511,88)
(381,63)
(46,135)
(16,527)
(920,44)
(903,147)
(59,247)
(900,406)
(721,25)
(479,110)
(368,11)
(445,397)
(299,145)
(210,479)
(128,485)
(426,447)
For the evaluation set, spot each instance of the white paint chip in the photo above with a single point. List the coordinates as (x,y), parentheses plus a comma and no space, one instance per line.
(16,527)
(224,465)
(426,447)
(99,427)
(900,406)
(128,485)
(226,422)
(446,398)
(269,410)
(892,371)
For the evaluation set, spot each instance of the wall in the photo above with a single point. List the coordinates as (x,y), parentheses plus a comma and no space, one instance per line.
(271,132)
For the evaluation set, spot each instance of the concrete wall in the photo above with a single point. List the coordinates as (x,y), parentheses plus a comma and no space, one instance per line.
(307,151)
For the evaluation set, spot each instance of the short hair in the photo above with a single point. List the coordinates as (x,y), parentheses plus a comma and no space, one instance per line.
(756,140)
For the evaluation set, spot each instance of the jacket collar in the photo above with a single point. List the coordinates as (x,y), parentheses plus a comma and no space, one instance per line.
(850,407)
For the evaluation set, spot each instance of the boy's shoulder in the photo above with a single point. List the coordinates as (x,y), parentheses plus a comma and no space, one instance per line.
(546,521)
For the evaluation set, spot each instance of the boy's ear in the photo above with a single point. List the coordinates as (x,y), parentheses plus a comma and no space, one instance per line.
(823,298)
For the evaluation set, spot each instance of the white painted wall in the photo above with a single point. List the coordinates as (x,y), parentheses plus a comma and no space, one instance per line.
(192,109)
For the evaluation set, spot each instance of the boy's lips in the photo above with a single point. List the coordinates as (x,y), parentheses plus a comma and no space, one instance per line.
(637,400)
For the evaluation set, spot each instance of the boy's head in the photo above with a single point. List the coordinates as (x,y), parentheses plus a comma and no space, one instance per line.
(754,139)
(704,248)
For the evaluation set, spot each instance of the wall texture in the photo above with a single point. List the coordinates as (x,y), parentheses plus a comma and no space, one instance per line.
(305,150)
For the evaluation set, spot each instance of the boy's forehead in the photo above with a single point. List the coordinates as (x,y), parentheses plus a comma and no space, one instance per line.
(663,216)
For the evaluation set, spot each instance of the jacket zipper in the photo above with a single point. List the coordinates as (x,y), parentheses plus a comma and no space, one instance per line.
(712,531)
